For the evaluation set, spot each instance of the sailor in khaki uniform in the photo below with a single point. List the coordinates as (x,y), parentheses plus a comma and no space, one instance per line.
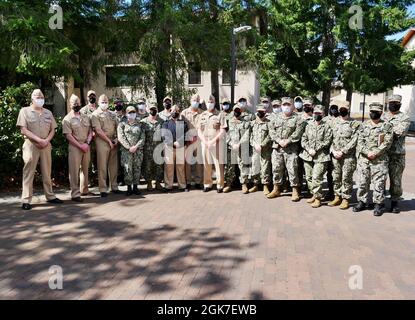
(104,123)
(77,129)
(211,130)
(37,125)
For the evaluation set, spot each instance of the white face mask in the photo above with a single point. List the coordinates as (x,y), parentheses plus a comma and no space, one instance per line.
(226,107)
(131,116)
(142,107)
(242,104)
(195,104)
(276,110)
(39,102)
(211,106)
(103,105)
(298,105)
(286,109)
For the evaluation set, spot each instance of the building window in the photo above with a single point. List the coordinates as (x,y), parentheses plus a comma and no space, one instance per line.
(361,106)
(226,76)
(123,77)
(195,73)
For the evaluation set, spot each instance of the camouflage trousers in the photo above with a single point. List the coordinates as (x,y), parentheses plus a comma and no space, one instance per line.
(230,169)
(261,167)
(396,168)
(282,161)
(375,172)
(131,163)
(343,170)
(150,169)
(314,173)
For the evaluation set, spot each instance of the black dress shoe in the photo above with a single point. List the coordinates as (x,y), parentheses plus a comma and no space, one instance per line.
(167,190)
(395,207)
(188,187)
(207,189)
(104,194)
(77,199)
(129,191)
(116,191)
(26,206)
(220,190)
(359,207)
(55,201)
(198,186)
(379,210)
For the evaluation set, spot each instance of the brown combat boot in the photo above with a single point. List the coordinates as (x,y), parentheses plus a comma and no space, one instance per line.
(336,202)
(245,189)
(149,186)
(253,189)
(344,205)
(266,189)
(275,193)
(316,203)
(227,189)
(296,194)
(311,200)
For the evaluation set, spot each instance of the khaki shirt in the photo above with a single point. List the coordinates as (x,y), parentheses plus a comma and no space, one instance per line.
(78,126)
(87,110)
(106,121)
(39,123)
(210,123)
(191,119)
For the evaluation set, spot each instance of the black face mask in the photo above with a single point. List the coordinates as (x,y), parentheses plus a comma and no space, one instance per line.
(77,108)
(153,112)
(308,109)
(394,107)
(175,115)
(237,114)
(260,114)
(92,100)
(167,106)
(118,107)
(318,117)
(344,112)
(334,111)
(375,115)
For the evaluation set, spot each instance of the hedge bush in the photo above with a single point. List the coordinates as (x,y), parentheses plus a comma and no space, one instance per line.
(12,99)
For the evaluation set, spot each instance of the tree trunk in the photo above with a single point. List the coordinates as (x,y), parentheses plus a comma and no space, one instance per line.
(349,95)
(214,79)
(325,100)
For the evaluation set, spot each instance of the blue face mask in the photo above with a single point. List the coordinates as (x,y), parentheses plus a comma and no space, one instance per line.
(298,105)
(226,107)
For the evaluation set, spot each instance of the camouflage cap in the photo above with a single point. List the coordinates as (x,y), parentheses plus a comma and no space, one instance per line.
(141,100)
(242,97)
(226,100)
(152,106)
(376,106)
(167,98)
(395,98)
(276,102)
(261,107)
(298,98)
(91,92)
(345,104)
(308,101)
(286,100)
(319,109)
(264,99)
(335,103)
(236,106)
(131,109)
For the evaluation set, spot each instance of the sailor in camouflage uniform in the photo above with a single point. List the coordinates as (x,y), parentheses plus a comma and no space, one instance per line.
(276,110)
(285,132)
(132,138)
(400,125)
(375,139)
(165,114)
(261,144)
(153,167)
(230,173)
(316,143)
(142,109)
(343,150)
(120,115)
(237,141)
(247,114)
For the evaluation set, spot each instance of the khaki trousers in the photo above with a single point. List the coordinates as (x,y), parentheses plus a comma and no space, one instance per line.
(194,163)
(174,159)
(107,160)
(78,170)
(31,156)
(212,156)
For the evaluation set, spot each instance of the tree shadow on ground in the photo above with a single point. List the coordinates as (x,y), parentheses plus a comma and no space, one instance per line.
(97,254)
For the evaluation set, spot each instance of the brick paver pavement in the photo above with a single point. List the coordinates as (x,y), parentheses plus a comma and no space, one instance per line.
(206,246)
